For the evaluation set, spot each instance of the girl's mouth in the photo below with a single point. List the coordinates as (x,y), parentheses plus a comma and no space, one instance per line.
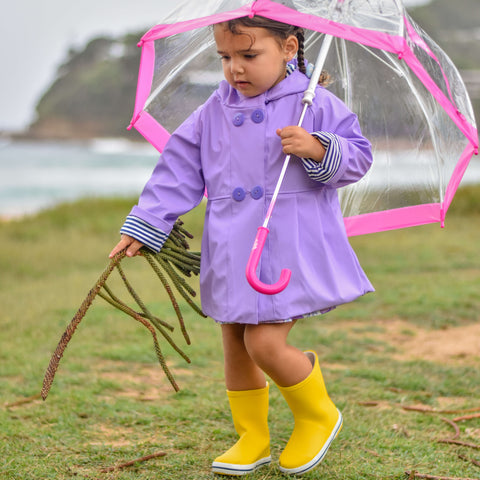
(241,84)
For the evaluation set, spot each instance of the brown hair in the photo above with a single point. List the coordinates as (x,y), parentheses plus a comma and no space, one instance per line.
(281,31)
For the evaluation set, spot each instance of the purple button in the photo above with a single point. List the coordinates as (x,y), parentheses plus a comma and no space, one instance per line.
(257,192)
(238,194)
(238,119)
(258,116)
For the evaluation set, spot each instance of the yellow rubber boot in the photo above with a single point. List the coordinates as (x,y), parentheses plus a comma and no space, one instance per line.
(317,422)
(250,418)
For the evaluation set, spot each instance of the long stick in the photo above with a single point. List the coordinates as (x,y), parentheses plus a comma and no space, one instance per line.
(67,335)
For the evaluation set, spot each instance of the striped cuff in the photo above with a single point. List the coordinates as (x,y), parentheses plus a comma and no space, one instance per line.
(150,236)
(325,170)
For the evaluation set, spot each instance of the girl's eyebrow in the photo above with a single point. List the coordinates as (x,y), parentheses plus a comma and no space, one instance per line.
(242,52)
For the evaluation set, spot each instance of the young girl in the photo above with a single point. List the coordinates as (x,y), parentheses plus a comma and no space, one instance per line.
(234,145)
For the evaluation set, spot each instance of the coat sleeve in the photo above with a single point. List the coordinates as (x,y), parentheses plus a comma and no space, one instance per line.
(348,154)
(175,187)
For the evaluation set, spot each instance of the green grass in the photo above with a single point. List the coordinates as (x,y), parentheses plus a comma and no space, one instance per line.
(110,402)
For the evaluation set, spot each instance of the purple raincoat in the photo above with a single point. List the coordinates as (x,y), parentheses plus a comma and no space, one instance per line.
(229,146)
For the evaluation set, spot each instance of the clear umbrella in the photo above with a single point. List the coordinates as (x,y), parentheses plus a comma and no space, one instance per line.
(410,99)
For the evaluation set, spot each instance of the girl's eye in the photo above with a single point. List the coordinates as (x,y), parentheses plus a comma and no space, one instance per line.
(250,56)
(224,57)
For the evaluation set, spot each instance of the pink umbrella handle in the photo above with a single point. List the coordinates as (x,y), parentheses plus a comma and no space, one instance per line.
(252,265)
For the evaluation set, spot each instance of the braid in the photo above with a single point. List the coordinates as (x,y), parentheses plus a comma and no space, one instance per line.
(301,50)
(325,78)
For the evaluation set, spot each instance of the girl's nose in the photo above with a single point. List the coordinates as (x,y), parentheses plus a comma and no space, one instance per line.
(236,66)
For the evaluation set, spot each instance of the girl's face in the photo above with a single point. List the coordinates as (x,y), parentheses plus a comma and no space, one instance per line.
(253,59)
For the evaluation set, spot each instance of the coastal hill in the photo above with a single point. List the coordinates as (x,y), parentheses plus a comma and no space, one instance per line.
(94,91)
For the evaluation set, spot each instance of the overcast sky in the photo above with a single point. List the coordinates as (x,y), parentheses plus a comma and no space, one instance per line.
(36,35)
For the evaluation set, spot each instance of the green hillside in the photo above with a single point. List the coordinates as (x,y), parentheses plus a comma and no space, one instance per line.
(94,92)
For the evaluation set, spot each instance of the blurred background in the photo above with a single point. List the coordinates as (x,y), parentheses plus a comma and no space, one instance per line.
(68,89)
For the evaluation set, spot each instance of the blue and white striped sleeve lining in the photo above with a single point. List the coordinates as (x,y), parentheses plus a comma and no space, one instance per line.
(150,236)
(325,170)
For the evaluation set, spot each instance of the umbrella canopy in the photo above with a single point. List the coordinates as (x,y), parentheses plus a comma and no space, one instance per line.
(410,99)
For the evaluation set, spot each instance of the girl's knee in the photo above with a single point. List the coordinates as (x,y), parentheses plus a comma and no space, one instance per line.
(255,342)
(264,342)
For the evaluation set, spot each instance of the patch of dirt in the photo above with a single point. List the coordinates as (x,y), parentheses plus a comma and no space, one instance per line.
(449,403)
(473,433)
(454,344)
(115,437)
(142,382)
(334,366)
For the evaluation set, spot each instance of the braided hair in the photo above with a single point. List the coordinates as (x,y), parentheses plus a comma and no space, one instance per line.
(281,31)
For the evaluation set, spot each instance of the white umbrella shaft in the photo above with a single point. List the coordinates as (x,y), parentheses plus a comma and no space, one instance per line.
(307,100)
(262,232)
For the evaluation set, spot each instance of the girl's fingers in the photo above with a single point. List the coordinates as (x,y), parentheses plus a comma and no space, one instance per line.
(115,250)
(134,248)
(130,243)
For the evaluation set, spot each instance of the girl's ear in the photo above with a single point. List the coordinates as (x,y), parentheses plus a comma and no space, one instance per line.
(290,47)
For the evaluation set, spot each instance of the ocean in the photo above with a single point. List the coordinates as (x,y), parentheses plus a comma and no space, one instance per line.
(38,175)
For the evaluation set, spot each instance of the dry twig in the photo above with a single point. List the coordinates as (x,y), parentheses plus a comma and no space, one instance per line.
(372,452)
(455,427)
(466,417)
(471,460)
(413,474)
(458,442)
(425,409)
(22,401)
(133,462)
(453,440)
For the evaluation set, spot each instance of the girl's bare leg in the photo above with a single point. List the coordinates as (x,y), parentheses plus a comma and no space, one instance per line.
(241,371)
(267,346)
(247,393)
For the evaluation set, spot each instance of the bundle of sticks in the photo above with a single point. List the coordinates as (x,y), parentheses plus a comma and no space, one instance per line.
(171,265)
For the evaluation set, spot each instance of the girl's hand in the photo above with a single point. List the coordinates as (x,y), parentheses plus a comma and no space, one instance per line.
(133,246)
(297,141)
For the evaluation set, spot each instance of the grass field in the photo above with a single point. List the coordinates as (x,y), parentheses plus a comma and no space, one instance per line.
(413,343)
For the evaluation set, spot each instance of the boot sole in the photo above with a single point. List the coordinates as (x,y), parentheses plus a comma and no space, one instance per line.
(234,469)
(320,455)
